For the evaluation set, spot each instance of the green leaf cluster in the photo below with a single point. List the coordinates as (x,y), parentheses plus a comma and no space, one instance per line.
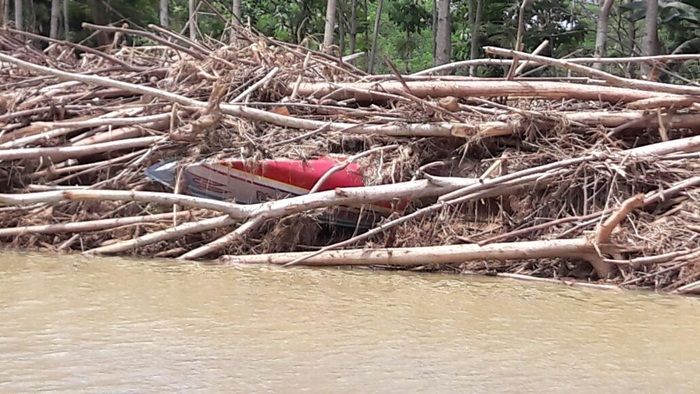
(406,34)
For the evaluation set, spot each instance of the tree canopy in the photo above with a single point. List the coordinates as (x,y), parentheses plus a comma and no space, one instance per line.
(406,34)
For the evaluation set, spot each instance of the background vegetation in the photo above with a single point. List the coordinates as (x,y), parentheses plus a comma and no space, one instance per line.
(406,29)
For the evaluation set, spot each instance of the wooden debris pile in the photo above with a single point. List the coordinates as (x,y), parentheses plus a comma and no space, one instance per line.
(594,177)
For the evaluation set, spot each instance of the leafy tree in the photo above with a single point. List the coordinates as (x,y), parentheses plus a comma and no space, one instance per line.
(680,23)
(406,31)
(412,18)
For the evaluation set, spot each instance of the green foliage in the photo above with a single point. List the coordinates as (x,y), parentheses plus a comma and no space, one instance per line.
(411,17)
(287,20)
(680,23)
(406,35)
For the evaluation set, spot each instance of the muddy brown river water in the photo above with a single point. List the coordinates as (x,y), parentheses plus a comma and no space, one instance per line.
(113,325)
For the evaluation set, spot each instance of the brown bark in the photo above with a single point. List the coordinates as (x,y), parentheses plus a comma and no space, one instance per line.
(195,50)
(614,119)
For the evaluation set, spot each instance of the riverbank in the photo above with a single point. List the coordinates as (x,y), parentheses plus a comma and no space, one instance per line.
(134,151)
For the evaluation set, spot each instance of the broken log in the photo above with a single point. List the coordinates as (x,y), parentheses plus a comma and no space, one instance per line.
(446,254)
(592,72)
(363,91)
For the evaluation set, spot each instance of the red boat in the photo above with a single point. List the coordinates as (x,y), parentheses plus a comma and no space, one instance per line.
(250,183)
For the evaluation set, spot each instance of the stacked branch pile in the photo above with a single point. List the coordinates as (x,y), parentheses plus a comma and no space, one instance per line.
(593,177)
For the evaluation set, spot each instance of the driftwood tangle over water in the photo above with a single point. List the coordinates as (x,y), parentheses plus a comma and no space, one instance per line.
(594,177)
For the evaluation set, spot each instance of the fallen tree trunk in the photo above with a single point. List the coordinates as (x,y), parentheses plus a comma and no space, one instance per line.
(446,254)
(614,119)
(69,152)
(363,91)
(592,72)
(170,233)
(89,225)
(579,60)
(665,102)
(633,119)
(126,132)
(122,195)
(123,133)
(691,288)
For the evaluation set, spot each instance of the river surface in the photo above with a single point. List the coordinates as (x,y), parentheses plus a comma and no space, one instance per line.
(114,325)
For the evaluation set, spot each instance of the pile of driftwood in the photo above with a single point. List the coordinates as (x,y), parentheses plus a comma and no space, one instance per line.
(588,178)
